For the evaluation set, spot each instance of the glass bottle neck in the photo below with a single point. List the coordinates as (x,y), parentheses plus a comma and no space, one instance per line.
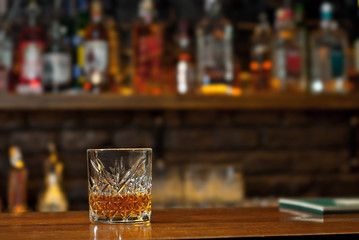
(213,13)
(33,12)
(96,12)
(146,11)
(56,31)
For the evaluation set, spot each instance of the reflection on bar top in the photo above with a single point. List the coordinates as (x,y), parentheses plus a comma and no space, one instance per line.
(121,149)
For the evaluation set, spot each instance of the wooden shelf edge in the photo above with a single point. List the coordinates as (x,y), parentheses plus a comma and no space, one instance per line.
(116,102)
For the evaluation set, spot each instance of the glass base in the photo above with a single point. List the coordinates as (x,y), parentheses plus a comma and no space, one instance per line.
(145,218)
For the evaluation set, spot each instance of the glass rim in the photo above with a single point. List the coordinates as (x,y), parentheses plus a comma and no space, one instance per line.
(119,149)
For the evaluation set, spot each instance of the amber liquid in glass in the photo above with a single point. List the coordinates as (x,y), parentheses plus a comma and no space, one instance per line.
(126,206)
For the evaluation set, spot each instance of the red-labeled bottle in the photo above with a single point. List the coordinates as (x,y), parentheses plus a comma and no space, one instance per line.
(30,53)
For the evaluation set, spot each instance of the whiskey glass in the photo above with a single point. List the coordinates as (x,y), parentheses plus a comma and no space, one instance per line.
(119,185)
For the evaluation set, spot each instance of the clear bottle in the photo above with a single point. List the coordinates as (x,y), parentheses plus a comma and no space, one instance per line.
(57,58)
(328,60)
(53,198)
(215,65)
(17,189)
(148,49)
(30,49)
(288,55)
(185,76)
(96,52)
(261,55)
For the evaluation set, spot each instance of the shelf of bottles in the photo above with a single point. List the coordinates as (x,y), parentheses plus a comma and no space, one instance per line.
(78,60)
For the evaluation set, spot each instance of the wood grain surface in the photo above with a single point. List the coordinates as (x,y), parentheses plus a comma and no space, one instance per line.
(116,102)
(180,224)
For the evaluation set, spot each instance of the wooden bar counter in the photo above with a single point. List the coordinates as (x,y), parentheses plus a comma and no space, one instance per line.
(184,224)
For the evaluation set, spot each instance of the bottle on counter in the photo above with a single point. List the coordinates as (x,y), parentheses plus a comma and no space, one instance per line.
(215,64)
(57,57)
(30,53)
(261,55)
(328,48)
(53,198)
(17,188)
(288,54)
(96,52)
(148,47)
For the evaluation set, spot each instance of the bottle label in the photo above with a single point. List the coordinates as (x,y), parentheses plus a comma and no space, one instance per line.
(148,62)
(96,57)
(149,49)
(215,55)
(182,77)
(6,54)
(57,69)
(31,61)
(294,64)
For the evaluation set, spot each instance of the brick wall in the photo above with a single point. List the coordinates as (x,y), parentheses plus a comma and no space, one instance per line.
(282,153)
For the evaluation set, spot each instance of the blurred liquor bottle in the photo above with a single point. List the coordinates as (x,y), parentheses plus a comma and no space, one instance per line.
(170,54)
(148,51)
(67,19)
(68,29)
(126,60)
(288,54)
(81,22)
(30,50)
(96,52)
(302,37)
(355,68)
(57,58)
(17,195)
(261,55)
(340,61)
(215,67)
(114,44)
(114,68)
(185,74)
(328,48)
(6,48)
(53,198)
